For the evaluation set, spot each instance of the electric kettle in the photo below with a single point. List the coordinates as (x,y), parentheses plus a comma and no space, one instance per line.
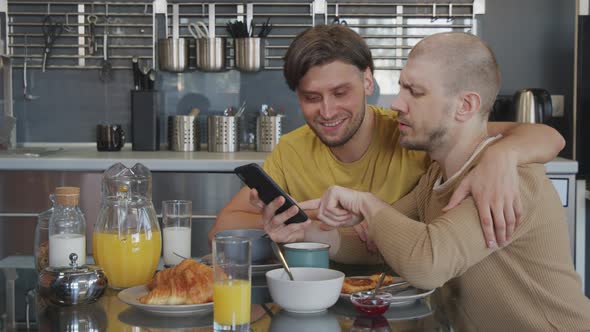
(532,105)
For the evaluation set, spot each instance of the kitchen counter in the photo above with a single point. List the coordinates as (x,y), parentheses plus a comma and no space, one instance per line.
(84,157)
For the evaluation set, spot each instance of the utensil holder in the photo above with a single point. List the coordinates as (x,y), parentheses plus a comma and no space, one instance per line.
(173,54)
(210,54)
(268,132)
(183,133)
(249,54)
(145,120)
(222,132)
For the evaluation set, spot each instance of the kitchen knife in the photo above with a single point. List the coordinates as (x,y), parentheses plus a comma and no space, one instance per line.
(135,68)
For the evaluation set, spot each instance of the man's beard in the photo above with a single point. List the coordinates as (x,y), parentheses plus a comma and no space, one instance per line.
(435,138)
(352,129)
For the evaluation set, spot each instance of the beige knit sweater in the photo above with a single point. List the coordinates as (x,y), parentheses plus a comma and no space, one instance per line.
(528,285)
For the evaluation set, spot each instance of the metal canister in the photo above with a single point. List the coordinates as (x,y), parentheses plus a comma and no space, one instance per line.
(268,132)
(249,54)
(222,133)
(184,133)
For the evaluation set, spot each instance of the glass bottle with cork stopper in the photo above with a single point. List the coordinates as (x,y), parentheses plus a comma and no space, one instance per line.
(67,228)
(41,248)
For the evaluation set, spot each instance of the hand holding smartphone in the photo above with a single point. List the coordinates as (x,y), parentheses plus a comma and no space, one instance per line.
(255,178)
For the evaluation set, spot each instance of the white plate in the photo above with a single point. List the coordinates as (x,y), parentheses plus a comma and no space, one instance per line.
(409,295)
(131,296)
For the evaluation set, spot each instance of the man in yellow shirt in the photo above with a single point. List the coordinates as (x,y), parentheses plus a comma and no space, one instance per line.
(349,143)
(448,86)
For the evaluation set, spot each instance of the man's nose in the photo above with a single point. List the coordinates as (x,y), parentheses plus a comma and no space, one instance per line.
(399,105)
(328,108)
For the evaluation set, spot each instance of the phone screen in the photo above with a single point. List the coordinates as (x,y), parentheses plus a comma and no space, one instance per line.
(256,178)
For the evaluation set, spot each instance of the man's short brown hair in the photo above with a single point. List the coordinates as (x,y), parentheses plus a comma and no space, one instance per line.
(321,45)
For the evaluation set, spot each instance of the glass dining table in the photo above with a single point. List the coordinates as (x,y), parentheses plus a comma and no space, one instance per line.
(109,313)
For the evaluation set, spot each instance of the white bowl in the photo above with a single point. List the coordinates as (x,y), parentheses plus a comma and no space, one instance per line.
(313,290)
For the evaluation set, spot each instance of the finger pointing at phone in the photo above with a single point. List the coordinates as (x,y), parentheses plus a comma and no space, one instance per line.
(338,207)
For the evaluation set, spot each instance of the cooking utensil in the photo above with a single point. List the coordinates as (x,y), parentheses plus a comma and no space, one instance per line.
(72,285)
(338,20)
(51,31)
(265,29)
(26,93)
(92,45)
(136,73)
(106,68)
(198,30)
(241,110)
(279,254)
(175,19)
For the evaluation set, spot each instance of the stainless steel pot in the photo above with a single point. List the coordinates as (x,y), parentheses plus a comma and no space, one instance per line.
(173,54)
(211,54)
(72,285)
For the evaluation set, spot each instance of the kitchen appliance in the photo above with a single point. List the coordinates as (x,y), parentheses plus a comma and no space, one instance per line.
(127,242)
(532,106)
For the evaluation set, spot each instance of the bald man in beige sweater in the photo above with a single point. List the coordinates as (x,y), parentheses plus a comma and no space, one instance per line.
(448,87)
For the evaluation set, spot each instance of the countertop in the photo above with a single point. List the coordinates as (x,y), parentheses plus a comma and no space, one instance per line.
(85,157)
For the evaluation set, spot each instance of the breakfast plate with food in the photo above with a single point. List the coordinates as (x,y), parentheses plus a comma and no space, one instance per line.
(185,289)
(403,293)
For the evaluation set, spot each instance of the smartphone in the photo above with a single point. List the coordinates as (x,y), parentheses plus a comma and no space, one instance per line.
(256,178)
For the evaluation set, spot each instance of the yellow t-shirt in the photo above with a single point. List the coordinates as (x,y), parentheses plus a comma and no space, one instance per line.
(304,167)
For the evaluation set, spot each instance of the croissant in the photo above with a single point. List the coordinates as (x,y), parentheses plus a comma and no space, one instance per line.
(189,282)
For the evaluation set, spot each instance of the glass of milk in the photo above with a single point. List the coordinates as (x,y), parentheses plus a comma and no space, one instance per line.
(176,224)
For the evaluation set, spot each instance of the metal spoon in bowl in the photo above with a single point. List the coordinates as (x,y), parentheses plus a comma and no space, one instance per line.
(379,283)
(279,254)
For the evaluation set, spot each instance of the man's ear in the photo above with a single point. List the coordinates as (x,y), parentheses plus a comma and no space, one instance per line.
(368,81)
(469,105)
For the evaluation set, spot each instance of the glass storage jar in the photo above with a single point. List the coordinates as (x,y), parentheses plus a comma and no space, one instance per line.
(67,228)
(41,249)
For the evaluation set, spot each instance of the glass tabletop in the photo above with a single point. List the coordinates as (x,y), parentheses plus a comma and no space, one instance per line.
(111,314)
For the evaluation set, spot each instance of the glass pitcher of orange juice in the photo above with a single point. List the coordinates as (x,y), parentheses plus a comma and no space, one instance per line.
(126,240)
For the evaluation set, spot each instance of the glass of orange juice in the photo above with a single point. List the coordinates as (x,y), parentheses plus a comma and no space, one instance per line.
(232,273)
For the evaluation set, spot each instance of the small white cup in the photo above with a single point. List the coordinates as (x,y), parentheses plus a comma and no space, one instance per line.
(176,225)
